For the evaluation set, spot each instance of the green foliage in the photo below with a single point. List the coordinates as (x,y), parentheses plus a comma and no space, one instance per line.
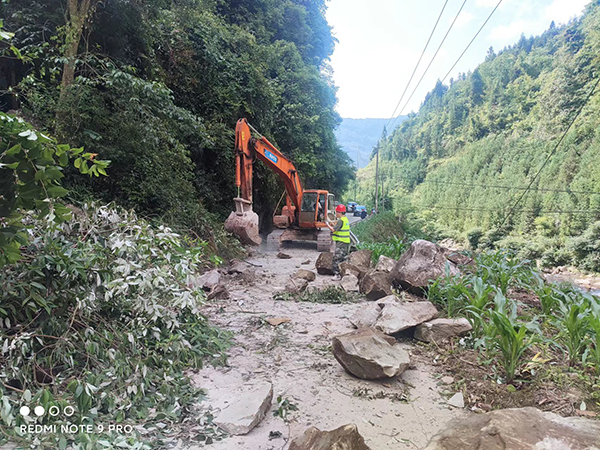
(394,247)
(594,342)
(476,143)
(101,314)
(159,87)
(503,269)
(478,300)
(31,170)
(573,322)
(473,236)
(586,248)
(510,337)
(448,293)
(379,228)
(284,406)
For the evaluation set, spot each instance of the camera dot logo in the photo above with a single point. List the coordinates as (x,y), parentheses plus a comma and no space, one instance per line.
(24,411)
(39,411)
(54,410)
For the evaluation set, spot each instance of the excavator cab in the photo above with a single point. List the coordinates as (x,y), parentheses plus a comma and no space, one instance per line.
(316,209)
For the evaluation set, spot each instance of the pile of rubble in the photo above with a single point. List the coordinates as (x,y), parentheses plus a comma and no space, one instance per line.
(396,307)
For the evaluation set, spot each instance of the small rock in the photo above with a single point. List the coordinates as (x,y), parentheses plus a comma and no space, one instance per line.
(296,285)
(369,354)
(385,264)
(306,261)
(278,320)
(361,258)
(439,330)
(247,411)
(345,437)
(209,279)
(376,285)
(349,269)
(324,264)
(349,283)
(447,380)
(307,275)
(282,255)
(219,292)
(457,400)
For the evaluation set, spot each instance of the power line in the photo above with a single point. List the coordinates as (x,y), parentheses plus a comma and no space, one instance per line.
(474,37)
(569,191)
(552,152)
(433,58)
(557,211)
(418,62)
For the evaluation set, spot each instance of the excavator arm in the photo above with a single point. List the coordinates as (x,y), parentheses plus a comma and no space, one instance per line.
(243,221)
(247,148)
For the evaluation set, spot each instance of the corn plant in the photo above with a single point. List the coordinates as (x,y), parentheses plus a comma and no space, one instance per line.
(509,337)
(448,293)
(574,323)
(503,270)
(478,299)
(547,294)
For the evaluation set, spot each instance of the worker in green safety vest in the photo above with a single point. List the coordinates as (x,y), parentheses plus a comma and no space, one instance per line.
(341,238)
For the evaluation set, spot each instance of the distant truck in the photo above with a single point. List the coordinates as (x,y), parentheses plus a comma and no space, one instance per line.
(351,207)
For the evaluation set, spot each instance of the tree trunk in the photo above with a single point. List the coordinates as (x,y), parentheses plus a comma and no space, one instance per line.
(78,11)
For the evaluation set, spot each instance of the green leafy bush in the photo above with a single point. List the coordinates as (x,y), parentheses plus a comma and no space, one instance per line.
(473,236)
(394,247)
(103,313)
(586,248)
(31,169)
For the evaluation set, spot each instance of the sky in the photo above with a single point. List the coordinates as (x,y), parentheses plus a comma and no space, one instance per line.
(380,42)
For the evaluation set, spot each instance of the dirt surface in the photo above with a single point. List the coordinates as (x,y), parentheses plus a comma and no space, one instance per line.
(400,413)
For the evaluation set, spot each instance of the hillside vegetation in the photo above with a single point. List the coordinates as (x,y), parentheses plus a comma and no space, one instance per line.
(477,143)
(157,87)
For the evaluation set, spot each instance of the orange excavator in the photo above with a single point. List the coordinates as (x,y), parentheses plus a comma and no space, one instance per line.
(305,213)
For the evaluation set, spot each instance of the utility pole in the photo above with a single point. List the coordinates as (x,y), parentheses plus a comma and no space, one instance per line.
(377,180)
(355,180)
(382,195)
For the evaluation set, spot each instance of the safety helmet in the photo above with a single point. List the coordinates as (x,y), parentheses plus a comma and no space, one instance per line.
(340,208)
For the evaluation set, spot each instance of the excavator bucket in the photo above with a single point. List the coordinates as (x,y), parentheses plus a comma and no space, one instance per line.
(243,222)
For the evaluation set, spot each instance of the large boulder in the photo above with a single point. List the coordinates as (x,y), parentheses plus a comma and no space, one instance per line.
(439,330)
(394,318)
(518,429)
(349,269)
(385,264)
(361,258)
(324,264)
(241,416)
(375,285)
(345,437)
(307,275)
(369,354)
(349,283)
(423,262)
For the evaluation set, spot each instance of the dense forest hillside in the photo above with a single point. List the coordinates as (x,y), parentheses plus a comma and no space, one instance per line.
(157,86)
(357,137)
(477,143)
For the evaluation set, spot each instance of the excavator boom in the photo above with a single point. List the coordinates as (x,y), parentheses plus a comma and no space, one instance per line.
(243,222)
